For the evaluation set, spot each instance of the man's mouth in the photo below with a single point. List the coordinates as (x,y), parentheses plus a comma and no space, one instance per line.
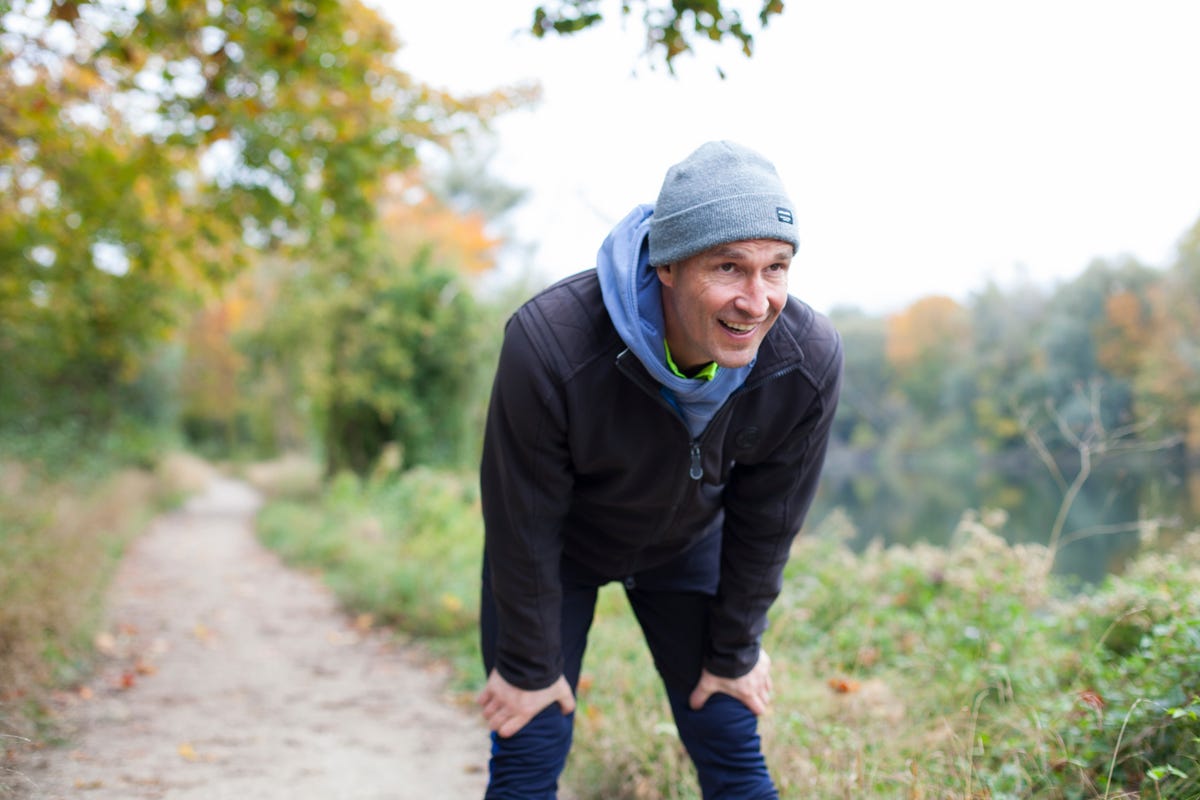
(736,328)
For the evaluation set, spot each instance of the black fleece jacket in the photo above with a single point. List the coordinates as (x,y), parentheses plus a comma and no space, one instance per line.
(584,459)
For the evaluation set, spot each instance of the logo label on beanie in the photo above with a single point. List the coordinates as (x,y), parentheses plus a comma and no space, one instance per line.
(783,215)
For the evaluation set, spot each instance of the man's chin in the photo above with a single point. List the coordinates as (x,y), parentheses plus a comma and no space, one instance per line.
(735,360)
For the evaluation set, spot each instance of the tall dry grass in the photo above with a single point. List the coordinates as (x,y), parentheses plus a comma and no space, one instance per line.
(901,673)
(61,538)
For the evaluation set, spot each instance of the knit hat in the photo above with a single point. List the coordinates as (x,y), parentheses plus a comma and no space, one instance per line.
(723,192)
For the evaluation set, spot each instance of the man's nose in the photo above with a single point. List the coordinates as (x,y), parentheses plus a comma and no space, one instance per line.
(755,297)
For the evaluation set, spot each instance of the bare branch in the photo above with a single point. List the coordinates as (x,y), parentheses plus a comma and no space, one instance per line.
(1060,421)
(1091,441)
(1035,441)
(1120,527)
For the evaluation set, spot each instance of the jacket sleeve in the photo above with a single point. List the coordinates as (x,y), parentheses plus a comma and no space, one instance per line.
(765,506)
(525,485)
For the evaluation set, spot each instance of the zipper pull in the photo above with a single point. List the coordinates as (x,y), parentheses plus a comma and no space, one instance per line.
(697,471)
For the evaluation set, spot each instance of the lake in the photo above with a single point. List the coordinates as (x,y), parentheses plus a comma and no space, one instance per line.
(921,497)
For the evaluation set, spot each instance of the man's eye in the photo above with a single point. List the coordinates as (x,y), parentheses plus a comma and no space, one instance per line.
(727,268)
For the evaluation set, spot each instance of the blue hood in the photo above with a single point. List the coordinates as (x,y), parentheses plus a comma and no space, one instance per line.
(632,295)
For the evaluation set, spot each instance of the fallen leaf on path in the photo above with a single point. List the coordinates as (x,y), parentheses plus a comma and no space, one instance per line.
(105,643)
(144,668)
(844,685)
(85,693)
(188,753)
(202,632)
(364,622)
(127,680)
(87,785)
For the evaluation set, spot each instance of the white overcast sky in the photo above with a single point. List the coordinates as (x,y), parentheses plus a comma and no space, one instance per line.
(929,145)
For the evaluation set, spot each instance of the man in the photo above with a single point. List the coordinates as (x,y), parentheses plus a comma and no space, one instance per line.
(660,420)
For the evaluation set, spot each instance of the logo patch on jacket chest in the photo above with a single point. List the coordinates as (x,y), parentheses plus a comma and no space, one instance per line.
(747,438)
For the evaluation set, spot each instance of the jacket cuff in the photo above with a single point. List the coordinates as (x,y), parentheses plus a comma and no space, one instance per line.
(734,664)
(525,674)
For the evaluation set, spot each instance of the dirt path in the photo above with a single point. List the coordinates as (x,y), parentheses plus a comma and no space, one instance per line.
(229,676)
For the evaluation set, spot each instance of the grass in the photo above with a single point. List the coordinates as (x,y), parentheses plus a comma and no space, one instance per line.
(915,672)
(64,525)
(404,551)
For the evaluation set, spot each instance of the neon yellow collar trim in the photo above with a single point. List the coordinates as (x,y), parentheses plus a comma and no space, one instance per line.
(706,373)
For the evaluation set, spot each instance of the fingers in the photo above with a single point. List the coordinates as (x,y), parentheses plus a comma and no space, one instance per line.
(565,697)
(512,726)
(508,709)
(505,720)
(753,689)
(495,712)
(756,703)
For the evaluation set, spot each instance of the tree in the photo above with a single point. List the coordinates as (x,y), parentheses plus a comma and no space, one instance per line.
(1168,375)
(1082,344)
(209,378)
(864,409)
(1004,365)
(382,338)
(672,29)
(923,342)
(149,151)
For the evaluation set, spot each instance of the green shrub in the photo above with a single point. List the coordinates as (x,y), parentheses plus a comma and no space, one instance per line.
(1140,681)
(900,672)
(404,548)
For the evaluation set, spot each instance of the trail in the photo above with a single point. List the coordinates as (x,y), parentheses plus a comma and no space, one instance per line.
(227,675)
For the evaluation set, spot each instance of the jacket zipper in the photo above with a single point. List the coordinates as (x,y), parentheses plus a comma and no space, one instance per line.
(695,468)
(695,463)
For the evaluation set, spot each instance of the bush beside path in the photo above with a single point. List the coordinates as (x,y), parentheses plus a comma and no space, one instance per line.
(226,675)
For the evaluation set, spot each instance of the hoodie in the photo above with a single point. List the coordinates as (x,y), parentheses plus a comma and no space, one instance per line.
(633,298)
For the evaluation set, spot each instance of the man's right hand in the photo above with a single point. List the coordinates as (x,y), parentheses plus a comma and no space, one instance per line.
(507,709)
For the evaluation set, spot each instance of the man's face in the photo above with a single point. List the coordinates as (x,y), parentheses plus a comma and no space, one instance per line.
(718,305)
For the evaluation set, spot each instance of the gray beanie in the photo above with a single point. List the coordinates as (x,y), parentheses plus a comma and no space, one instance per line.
(723,192)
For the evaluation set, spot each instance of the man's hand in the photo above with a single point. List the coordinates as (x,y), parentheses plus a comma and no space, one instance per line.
(507,709)
(753,688)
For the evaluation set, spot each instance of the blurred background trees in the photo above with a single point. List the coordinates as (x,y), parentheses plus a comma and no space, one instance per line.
(212,214)
(239,223)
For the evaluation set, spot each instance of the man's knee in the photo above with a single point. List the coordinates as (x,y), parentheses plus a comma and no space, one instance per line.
(724,721)
(723,742)
(527,764)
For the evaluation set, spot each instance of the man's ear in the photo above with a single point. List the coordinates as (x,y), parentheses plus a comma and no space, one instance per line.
(665,275)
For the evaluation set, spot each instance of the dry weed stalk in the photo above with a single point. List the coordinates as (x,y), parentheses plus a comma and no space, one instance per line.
(1091,441)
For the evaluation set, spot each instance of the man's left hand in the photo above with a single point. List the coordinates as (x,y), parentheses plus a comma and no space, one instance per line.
(753,688)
